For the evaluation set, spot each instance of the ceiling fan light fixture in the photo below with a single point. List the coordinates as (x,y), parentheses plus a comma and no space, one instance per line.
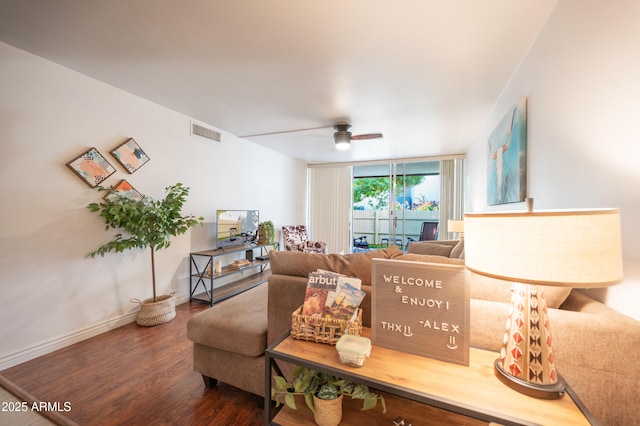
(342,139)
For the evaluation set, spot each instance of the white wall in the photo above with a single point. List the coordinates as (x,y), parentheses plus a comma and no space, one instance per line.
(582,83)
(50,294)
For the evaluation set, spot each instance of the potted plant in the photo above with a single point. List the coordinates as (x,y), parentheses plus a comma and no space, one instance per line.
(146,223)
(266,232)
(319,388)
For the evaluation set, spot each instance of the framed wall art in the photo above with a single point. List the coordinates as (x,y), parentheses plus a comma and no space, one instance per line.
(91,167)
(130,155)
(124,188)
(507,157)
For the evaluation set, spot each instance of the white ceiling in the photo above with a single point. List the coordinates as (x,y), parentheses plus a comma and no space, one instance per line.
(425,73)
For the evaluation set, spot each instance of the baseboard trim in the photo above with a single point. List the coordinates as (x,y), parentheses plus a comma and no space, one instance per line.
(43,348)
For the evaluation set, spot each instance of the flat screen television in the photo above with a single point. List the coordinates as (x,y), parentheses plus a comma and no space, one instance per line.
(236,227)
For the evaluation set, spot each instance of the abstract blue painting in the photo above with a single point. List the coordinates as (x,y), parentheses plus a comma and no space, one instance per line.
(507,157)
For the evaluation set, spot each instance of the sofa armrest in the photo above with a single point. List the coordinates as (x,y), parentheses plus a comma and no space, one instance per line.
(286,294)
(592,346)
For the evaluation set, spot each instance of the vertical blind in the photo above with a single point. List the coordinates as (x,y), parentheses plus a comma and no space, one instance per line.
(451,193)
(329,212)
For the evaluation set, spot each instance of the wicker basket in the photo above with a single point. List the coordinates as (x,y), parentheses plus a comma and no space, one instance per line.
(156,313)
(323,330)
(328,412)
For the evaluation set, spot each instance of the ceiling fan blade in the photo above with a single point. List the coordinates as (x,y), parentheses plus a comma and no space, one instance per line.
(366,136)
(282,132)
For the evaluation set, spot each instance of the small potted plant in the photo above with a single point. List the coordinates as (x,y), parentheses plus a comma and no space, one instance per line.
(323,394)
(146,223)
(266,232)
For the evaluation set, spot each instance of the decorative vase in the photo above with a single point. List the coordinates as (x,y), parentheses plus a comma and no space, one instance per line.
(328,411)
(156,313)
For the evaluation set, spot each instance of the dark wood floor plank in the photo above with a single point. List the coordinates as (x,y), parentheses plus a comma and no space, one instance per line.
(135,375)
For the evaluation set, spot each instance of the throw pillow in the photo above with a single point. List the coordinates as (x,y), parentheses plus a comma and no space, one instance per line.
(431,248)
(458,250)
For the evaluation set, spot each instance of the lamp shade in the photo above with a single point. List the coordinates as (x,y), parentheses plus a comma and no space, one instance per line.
(563,248)
(455,225)
(580,248)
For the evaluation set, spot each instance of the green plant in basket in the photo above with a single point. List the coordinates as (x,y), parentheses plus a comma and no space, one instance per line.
(309,382)
(144,223)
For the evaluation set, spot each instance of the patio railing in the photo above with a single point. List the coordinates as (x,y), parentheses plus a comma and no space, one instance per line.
(374,224)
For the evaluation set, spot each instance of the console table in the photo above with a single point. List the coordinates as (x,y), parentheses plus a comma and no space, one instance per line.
(450,391)
(202,272)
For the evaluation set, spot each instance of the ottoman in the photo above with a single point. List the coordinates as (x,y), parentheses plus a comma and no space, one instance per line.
(229,340)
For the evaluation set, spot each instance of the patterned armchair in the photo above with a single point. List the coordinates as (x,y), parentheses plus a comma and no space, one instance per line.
(296,239)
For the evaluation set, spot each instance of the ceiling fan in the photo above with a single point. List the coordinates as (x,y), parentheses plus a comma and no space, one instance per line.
(342,136)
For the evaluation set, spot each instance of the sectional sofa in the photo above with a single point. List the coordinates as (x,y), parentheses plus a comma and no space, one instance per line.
(595,346)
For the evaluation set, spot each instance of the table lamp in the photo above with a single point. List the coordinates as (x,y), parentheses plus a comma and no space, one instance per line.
(579,248)
(456,226)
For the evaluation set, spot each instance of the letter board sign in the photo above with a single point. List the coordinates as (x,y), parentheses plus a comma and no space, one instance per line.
(421,308)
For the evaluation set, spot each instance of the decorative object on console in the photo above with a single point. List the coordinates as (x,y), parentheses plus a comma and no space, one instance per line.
(91,167)
(295,238)
(421,308)
(266,232)
(239,264)
(579,248)
(145,224)
(507,157)
(130,155)
(353,350)
(321,329)
(315,386)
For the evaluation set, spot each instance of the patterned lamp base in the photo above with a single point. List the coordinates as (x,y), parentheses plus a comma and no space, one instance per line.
(526,361)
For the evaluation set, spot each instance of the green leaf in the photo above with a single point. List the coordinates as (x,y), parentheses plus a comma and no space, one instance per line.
(369,403)
(308,399)
(290,400)
(360,392)
(281,383)
(328,392)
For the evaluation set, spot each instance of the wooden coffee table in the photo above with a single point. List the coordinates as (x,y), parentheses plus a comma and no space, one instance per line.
(417,387)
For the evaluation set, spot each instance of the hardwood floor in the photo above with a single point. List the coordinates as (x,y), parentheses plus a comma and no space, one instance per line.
(135,376)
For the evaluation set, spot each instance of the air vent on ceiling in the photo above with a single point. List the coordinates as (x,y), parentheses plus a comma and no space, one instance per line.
(204,132)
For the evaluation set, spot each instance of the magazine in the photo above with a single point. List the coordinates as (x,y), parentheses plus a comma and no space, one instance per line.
(346,303)
(342,279)
(319,285)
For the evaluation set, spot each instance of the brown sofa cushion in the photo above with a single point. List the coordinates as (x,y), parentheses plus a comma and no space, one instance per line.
(356,264)
(486,288)
(238,324)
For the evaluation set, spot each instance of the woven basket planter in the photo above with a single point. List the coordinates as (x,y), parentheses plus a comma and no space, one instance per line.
(156,313)
(328,412)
